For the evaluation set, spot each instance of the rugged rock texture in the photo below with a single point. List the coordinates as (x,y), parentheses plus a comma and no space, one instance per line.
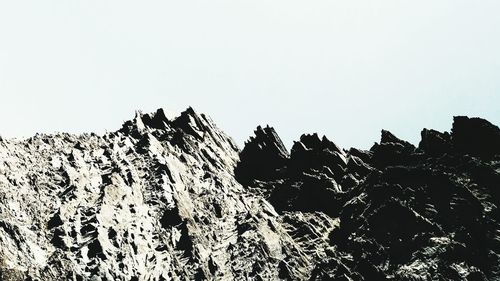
(262,157)
(156,200)
(404,213)
(174,199)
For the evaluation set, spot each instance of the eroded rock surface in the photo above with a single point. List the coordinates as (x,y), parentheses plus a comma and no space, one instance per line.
(404,213)
(156,200)
(174,199)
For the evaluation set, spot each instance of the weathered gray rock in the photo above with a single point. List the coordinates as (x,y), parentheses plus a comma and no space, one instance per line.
(169,198)
(156,200)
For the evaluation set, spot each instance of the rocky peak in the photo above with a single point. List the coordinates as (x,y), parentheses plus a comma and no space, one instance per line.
(144,122)
(314,155)
(313,142)
(391,151)
(434,142)
(192,123)
(475,136)
(156,120)
(115,207)
(175,199)
(262,157)
(404,213)
(388,138)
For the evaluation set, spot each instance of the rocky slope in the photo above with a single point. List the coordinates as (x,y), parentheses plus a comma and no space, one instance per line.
(174,199)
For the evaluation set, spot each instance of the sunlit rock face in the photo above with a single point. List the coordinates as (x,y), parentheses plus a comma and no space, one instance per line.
(173,198)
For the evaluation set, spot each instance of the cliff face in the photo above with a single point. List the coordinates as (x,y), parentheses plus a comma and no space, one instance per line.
(174,199)
(404,213)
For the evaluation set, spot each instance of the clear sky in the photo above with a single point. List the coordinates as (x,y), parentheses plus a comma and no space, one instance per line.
(345,69)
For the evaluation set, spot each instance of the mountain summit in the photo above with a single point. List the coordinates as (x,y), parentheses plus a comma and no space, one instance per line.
(173,198)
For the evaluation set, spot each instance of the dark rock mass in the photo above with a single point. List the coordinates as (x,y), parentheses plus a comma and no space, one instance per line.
(262,157)
(403,213)
(173,198)
(476,137)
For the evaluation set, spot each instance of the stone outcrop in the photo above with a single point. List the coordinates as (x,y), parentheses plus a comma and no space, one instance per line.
(475,136)
(404,213)
(155,200)
(173,198)
(262,157)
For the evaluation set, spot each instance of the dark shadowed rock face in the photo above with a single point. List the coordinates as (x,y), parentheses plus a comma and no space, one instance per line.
(435,143)
(404,213)
(475,136)
(172,198)
(262,157)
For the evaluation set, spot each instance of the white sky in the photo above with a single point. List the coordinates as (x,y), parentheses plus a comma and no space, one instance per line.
(346,69)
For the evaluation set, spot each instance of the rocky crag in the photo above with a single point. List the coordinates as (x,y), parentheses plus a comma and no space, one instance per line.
(175,199)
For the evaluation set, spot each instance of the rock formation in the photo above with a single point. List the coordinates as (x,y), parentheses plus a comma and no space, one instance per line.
(174,199)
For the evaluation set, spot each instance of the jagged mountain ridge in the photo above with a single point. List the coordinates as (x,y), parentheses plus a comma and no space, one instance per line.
(174,199)
(404,212)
